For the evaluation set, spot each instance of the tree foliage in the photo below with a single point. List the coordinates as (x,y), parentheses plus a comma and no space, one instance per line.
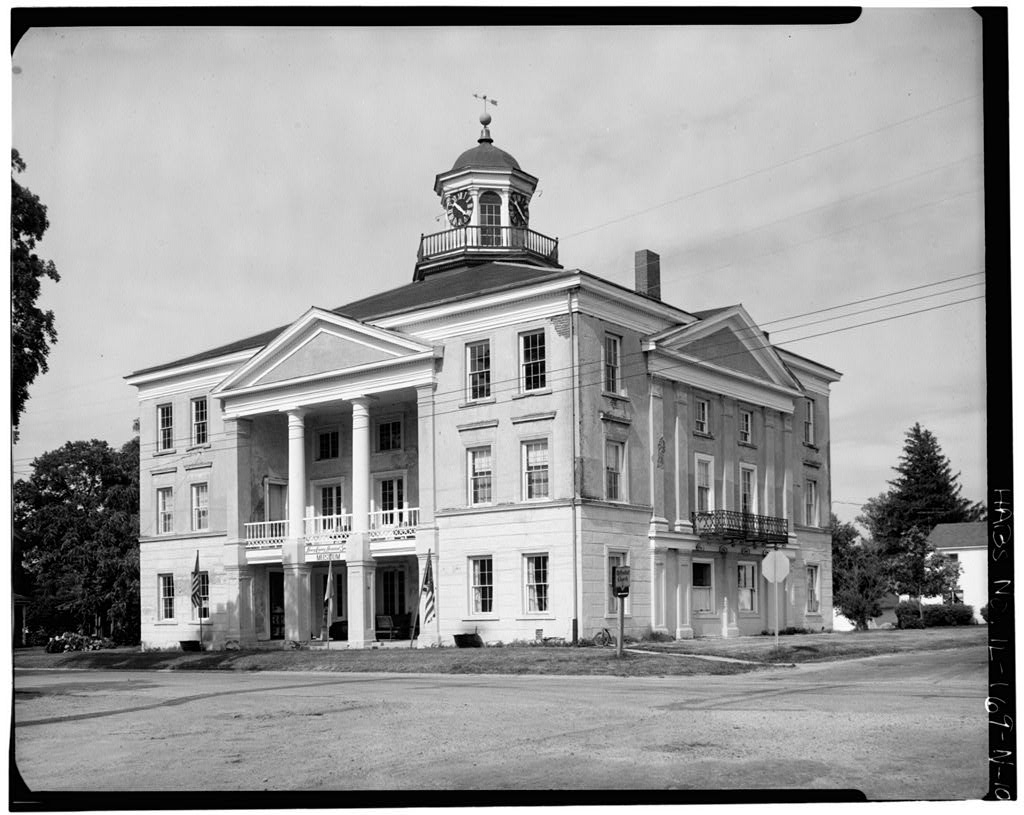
(859,579)
(918,570)
(77,518)
(32,329)
(925,493)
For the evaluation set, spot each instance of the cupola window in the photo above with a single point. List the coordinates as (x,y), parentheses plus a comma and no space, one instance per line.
(490,219)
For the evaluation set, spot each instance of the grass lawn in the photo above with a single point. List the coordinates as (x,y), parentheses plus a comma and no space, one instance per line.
(821,647)
(531,660)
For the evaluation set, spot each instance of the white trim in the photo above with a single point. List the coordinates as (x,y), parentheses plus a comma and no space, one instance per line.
(470,399)
(544,613)
(755,584)
(816,586)
(471,613)
(470,473)
(521,336)
(285,354)
(388,418)
(318,431)
(714,598)
(701,415)
(617,338)
(750,468)
(745,413)
(523,486)
(623,497)
(697,458)
(179,370)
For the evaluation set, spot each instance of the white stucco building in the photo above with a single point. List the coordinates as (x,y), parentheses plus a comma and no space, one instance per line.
(524,425)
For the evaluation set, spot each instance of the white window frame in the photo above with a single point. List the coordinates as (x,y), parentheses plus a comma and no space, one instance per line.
(377,496)
(388,420)
(812,515)
(611,606)
(693,586)
(710,460)
(202,424)
(621,497)
(470,373)
(164,510)
(524,446)
(543,361)
(204,594)
(750,568)
(702,416)
(317,489)
(809,421)
(813,588)
(200,512)
(539,612)
(476,589)
(165,597)
(165,440)
(472,475)
(752,469)
(267,484)
(612,364)
(747,426)
(317,445)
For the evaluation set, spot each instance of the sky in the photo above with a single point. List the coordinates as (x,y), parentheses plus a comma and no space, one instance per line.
(206,184)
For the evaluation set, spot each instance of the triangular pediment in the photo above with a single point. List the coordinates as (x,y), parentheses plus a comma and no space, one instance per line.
(728,339)
(322,343)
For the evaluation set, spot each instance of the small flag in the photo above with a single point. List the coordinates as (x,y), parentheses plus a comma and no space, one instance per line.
(428,591)
(197,585)
(329,594)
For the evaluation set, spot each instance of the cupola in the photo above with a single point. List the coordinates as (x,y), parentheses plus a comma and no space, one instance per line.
(486,198)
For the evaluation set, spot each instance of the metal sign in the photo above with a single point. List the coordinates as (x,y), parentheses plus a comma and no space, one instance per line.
(620,581)
(775,566)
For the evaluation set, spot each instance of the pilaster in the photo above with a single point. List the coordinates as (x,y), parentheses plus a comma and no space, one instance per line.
(656,449)
(683,462)
(298,624)
(684,627)
(237,495)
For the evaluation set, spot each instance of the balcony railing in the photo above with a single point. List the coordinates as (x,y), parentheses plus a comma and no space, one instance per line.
(265,534)
(327,528)
(394,524)
(484,240)
(731,525)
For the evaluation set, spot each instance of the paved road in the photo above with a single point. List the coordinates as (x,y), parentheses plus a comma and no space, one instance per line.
(904,727)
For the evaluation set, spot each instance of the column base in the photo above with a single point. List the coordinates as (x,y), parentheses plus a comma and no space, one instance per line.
(684,632)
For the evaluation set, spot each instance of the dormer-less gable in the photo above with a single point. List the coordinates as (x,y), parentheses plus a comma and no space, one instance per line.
(323,349)
(725,351)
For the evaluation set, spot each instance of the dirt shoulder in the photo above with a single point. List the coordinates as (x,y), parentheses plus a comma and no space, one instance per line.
(678,658)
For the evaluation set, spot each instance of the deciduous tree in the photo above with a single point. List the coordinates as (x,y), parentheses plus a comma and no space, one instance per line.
(918,570)
(78,520)
(859,579)
(32,329)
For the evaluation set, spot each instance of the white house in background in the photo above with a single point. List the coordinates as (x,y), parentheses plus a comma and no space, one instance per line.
(526,426)
(966,543)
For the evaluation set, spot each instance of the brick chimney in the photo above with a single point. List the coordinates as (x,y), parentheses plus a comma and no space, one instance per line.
(648,273)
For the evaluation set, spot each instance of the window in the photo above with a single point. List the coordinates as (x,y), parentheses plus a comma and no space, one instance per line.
(700,421)
(536,583)
(746,427)
(615,559)
(703,586)
(811,506)
(339,593)
(200,433)
(480,475)
(809,421)
(200,507)
(746,580)
(705,484)
(611,363)
(164,510)
(389,435)
(748,490)
(813,589)
(330,501)
(532,365)
(478,367)
(392,501)
(165,427)
(535,469)
(202,612)
(490,219)
(327,444)
(482,587)
(392,581)
(614,457)
(165,589)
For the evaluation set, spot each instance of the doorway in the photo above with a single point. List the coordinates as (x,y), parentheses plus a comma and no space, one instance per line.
(276,599)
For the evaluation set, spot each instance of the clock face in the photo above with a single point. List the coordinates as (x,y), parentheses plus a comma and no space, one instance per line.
(460,207)
(519,209)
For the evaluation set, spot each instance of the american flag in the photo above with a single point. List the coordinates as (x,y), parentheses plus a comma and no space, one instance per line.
(197,585)
(428,591)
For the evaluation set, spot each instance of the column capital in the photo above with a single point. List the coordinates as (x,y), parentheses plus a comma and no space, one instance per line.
(362,402)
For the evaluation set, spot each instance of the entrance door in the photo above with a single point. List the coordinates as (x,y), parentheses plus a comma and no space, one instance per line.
(277,502)
(392,595)
(276,605)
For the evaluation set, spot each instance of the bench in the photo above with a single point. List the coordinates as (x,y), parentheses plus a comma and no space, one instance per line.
(392,626)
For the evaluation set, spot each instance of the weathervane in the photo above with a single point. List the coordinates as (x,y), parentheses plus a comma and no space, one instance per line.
(483,96)
(485,117)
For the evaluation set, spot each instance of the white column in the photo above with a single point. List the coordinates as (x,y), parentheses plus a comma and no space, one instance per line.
(787,481)
(296,473)
(360,465)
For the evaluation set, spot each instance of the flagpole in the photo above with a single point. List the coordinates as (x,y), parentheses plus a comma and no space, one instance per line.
(416,619)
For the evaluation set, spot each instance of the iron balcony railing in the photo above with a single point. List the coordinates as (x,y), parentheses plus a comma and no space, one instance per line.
(486,239)
(731,525)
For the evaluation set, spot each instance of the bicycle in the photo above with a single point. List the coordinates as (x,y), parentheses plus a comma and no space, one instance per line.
(604,637)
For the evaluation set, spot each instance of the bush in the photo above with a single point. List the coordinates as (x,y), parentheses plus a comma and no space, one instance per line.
(77,642)
(908,615)
(948,614)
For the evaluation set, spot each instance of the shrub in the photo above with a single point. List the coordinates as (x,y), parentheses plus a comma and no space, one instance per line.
(948,614)
(908,614)
(984,613)
(77,642)
(658,636)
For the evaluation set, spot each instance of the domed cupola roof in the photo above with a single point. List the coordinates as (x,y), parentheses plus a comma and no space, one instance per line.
(485,156)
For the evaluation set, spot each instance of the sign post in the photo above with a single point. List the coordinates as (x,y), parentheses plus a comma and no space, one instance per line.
(620,583)
(775,568)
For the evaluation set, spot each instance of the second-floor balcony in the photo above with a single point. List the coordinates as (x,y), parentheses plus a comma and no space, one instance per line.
(724,524)
(318,530)
(442,249)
